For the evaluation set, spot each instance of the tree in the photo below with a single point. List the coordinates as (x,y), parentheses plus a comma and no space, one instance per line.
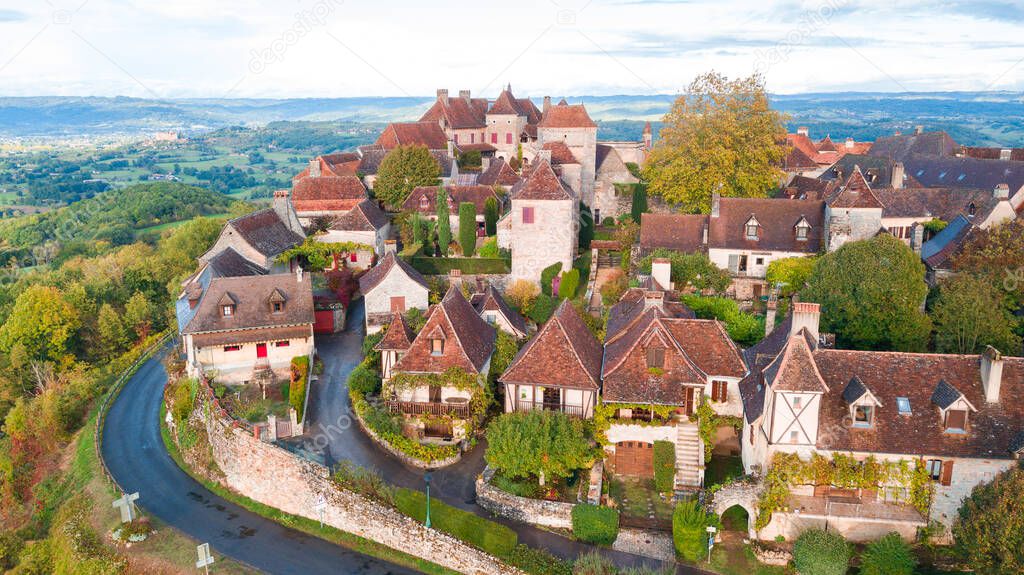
(42,323)
(467,228)
(792,273)
(818,552)
(540,444)
(871,293)
(997,254)
(720,136)
(113,335)
(638,207)
(402,170)
(889,555)
(491,216)
(989,529)
(521,294)
(138,315)
(586,234)
(444,223)
(569,284)
(625,234)
(505,349)
(970,313)
(693,270)
(689,530)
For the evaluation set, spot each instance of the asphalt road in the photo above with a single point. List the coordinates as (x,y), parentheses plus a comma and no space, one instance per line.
(136,457)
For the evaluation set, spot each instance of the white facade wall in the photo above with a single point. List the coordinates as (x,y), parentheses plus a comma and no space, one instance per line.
(238,365)
(720,257)
(584,399)
(733,404)
(792,412)
(618,432)
(396,284)
(583,144)
(370,238)
(551,238)
(501,125)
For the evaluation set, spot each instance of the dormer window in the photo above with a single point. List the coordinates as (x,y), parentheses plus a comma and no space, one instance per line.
(803,230)
(956,421)
(751,228)
(277,306)
(227,310)
(972,209)
(436,347)
(276,301)
(424,202)
(655,358)
(863,415)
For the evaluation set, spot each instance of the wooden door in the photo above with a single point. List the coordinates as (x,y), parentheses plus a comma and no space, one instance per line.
(261,350)
(690,398)
(398,304)
(634,459)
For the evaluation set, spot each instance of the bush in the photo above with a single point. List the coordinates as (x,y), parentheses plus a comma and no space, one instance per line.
(489,249)
(537,561)
(614,287)
(537,444)
(586,234)
(547,277)
(889,555)
(365,482)
(364,379)
(470,160)
(595,524)
(542,308)
(10,547)
(817,552)
(491,216)
(594,563)
(639,204)
(442,266)
(990,526)
(183,399)
(664,466)
(689,530)
(569,284)
(491,537)
(297,390)
(743,328)
(687,269)
(467,228)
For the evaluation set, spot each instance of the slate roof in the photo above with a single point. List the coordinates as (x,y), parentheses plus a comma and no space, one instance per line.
(398,336)
(1016,154)
(541,184)
(680,232)
(938,252)
(806,188)
(366,216)
(777,219)
(631,305)
(389,262)
(943,203)
(854,390)
(498,173)
(491,300)
(251,296)
(902,147)
(327,193)
(563,353)
(566,116)
(265,232)
(468,339)
(758,357)
(427,134)
(476,195)
(229,263)
(945,395)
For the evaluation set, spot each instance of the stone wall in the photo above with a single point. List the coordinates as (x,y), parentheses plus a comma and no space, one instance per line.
(274,477)
(401,455)
(522,509)
(855,529)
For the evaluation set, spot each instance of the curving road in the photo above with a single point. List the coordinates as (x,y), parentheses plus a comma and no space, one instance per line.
(138,460)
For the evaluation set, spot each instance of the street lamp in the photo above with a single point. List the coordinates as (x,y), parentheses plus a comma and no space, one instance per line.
(426,478)
(711,540)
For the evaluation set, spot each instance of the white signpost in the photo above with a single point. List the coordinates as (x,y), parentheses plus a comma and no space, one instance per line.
(126,505)
(711,540)
(319,506)
(205,557)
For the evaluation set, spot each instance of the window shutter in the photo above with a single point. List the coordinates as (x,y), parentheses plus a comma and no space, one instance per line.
(947,473)
(494,137)
(734,263)
(527,215)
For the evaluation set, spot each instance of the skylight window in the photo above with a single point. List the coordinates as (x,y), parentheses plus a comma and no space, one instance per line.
(903,405)
(942,175)
(919,172)
(961,177)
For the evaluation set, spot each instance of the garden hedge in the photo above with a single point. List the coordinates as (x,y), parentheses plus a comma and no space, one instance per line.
(664,466)
(817,552)
(491,537)
(297,389)
(689,530)
(467,228)
(595,524)
(442,266)
(547,276)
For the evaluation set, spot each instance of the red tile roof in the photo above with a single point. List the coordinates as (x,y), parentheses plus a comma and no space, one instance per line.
(366,216)
(566,116)
(563,353)
(398,336)
(856,193)
(560,153)
(427,134)
(777,221)
(265,232)
(491,300)
(541,184)
(632,305)
(376,274)
(327,193)
(476,195)
(468,339)
(460,113)
(680,232)
(498,173)
(251,297)
(794,369)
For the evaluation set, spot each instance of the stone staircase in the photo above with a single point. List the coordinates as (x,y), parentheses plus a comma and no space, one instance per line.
(689,456)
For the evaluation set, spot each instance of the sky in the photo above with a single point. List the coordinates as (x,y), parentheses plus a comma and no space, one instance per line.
(348,48)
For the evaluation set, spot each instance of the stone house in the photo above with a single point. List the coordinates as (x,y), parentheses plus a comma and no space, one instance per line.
(325,197)
(960,417)
(261,236)
(246,325)
(423,200)
(497,172)
(659,365)
(364,224)
(570,126)
(396,341)
(541,228)
(340,164)
(392,286)
(493,308)
(559,369)
(454,337)
(462,119)
(809,158)
(611,170)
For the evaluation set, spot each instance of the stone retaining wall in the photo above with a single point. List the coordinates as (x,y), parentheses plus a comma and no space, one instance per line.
(274,477)
(401,455)
(535,511)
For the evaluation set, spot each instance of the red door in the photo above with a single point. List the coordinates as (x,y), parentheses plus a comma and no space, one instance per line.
(261,350)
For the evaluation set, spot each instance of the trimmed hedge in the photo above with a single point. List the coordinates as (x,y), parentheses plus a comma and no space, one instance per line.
(569,284)
(664,466)
(493,538)
(547,276)
(442,266)
(594,524)
(889,555)
(467,228)
(364,379)
(297,389)
(817,552)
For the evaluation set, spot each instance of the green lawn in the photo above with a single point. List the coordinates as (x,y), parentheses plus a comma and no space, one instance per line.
(494,538)
(637,498)
(734,558)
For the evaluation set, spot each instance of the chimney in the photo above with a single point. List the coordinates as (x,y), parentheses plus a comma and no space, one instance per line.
(661,272)
(390,246)
(899,174)
(455,278)
(716,205)
(283,207)
(314,167)
(991,373)
(465,95)
(544,155)
(769,316)
(485,162)
(704,234)
(918,130)
(917,237)
(1005,154)
(805,315)
(442,95)
(298,274)
(803,131)
(849,143)
(451,149)
(1001,192)
(654,299)
(547,103)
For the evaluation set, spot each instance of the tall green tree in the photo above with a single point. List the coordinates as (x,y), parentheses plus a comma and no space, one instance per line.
(970,313)
(586,234)
(989,530)
(491,216)
(695,270)
(537,444)
(444,222)
(720,136)
(138,315)
(638,207)
(467,228)
(42,324)
(871,293)
(997,254)
(403,169)
(112,331)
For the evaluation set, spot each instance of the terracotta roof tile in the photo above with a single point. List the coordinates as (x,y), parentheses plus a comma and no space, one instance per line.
(560,153)
(389,262)
(468,339)
(541,184)
(327,193)
(427,134)
(398,336)
(364,217)
(498,173)
(265,232)
(459,113)
(680,232)
(563,353)
(566,116)
(777,221)
(491,300)
(251,296)
(229,263)
(476,195)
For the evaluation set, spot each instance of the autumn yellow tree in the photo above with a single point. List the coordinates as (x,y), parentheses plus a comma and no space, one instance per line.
(720,136)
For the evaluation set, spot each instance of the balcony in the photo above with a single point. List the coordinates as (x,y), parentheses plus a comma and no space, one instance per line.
(570,410)
(459,410)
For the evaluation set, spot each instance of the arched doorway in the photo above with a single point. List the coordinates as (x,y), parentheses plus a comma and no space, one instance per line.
(736,518)
(743,495)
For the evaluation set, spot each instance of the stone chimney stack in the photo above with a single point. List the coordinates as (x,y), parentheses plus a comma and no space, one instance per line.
(544,155)
(991,373)
(849,143)
(314,168)
(916,237)
(442,95)
(451,148)
(918,130)
(805,315)
(547,104)
(716,205)
(485,162)
(298,274)
(654,299)
(648,136)
(1005,154)
(769,316)
(803,131)
(661,272)
(283,207)
(465,95)
(1001,192)
(899,175)
(455,278)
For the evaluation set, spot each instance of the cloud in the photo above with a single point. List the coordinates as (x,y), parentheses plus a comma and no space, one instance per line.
(12,15)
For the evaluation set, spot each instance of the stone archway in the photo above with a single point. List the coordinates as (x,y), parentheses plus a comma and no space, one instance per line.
(742,494)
